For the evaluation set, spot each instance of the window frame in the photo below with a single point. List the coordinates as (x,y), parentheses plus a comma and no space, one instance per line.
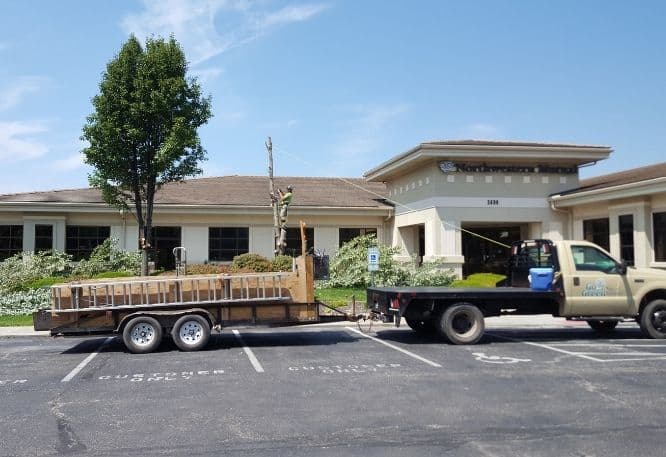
(83,250)
(238,248)
(14,241)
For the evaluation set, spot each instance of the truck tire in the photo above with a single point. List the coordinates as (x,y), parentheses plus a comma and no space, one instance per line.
(461,323)
(602,326)
(142,334)
(653,319)
(191,332)
(422,327)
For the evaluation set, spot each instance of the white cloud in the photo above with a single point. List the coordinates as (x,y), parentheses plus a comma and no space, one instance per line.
(18,142)
(365,128)
(12,95)
(289,14)
(206,75)
(194,23)
(72,162)
(481,131)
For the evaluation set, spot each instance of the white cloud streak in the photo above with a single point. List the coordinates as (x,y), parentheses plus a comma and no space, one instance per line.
(72,162)
(13,94)
(18,142)
(366,126)
(194,23)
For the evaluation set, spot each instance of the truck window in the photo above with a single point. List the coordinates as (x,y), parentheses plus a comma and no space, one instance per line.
(587,258)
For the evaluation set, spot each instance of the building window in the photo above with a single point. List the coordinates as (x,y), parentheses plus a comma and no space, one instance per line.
(11,240)
(597,232)
(659,231)
(224,243)
(348,234)
(80,240)
(43,238)
(294,240)
(626,223)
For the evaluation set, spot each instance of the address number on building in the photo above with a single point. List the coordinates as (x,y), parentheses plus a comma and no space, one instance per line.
(492,202)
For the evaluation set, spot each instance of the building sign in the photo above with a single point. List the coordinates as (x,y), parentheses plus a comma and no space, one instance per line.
(450,167)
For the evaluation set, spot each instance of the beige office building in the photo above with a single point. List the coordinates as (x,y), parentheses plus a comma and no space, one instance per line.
(457,201)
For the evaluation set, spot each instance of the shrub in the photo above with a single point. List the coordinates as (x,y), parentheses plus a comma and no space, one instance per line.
(429,274)
(24,302)
(250,263)
(282,263)
(349,268)
(107,257)
(22,269)
(203,269)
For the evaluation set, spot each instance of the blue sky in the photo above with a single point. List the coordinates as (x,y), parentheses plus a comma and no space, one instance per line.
(342,85)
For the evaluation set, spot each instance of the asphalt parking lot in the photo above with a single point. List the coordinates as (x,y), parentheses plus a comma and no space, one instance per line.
(332,390)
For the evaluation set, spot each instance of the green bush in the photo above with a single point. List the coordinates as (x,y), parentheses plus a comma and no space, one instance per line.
(282,263)
(107,257)
(24,302)
(113,274)
(250,263)
(349,268)
(203,269)
(429,274)
(18,271)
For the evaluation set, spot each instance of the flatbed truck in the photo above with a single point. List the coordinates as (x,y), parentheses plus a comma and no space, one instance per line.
(582,282)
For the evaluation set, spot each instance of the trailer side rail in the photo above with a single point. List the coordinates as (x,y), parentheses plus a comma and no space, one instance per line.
(168,291)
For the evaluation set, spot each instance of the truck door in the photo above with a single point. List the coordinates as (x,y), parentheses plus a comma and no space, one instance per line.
(595,286)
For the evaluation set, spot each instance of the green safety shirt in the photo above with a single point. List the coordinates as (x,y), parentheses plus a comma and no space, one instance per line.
(286,198)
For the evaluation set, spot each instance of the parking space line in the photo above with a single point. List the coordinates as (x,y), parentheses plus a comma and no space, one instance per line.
(551,348)
(86,361)
(250,355)
(404,351)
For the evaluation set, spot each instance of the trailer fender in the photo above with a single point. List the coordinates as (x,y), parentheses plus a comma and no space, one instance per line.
(167,318)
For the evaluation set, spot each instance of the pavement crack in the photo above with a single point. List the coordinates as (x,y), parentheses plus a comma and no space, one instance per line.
(68,441)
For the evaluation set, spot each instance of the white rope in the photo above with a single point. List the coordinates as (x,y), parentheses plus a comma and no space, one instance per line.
(383,197)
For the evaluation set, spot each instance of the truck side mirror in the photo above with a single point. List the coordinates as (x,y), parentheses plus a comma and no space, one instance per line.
(622,267)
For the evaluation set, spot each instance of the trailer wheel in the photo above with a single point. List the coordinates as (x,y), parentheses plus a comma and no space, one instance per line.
(462,324)
(191,332)
(653,319)
(142,334)
(422,327)
(602,326)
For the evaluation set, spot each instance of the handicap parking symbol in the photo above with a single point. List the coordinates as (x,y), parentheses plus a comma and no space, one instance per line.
(482,357)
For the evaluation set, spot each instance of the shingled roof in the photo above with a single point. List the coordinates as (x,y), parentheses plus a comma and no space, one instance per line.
(634,175)
(236,191)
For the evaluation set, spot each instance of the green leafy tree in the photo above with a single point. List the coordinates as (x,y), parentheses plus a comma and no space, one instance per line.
(143,131)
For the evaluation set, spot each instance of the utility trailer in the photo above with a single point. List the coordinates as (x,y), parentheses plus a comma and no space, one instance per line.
(584,282)
(145,309)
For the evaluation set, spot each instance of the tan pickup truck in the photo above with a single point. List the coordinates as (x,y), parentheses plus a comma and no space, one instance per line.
(573,279)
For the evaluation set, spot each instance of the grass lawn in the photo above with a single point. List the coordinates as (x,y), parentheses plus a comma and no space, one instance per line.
(479,280)
(339,296)
(15,321)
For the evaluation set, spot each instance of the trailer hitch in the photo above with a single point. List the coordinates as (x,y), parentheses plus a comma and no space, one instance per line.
(365,321)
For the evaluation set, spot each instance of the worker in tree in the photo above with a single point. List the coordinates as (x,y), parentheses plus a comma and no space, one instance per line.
(285,201)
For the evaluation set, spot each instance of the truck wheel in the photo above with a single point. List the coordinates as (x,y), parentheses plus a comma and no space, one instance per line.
(421,327)
(653,319)
(191,332)
(602,326)
(142,334)
(462,324)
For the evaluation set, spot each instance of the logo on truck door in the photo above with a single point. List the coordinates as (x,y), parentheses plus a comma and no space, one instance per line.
(597,288)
